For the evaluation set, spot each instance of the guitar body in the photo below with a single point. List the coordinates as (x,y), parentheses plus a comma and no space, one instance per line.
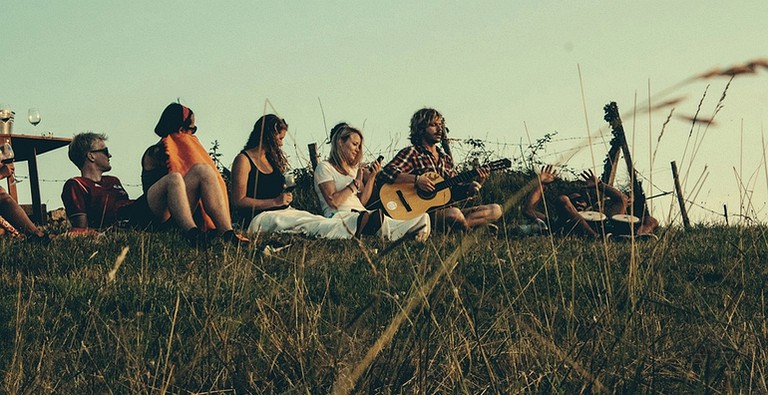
(403,201)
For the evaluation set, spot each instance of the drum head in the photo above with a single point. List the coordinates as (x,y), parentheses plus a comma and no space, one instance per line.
(626,218)
(624,224)
(592,216)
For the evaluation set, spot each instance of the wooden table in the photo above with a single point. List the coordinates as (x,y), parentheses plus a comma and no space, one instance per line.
(26,148)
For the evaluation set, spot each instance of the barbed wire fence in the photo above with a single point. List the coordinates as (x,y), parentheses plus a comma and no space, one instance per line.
(475,151)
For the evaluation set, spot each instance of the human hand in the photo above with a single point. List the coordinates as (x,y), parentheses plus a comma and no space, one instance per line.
(474,188)
(6,171)
(424,183)
(548,174)
(482,173)
(589,178)
(284,199)
(374,167)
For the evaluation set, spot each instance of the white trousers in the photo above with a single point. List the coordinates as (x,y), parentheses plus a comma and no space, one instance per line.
(291,220)
(392,229)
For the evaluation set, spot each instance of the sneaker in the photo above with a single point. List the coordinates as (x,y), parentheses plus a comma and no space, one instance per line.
(273,247)
(196,238)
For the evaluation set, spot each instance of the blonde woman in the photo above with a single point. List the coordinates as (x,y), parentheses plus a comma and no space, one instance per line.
(260,200)
(344,186)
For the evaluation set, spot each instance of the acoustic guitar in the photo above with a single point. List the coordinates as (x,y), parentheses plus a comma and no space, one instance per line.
(403,201)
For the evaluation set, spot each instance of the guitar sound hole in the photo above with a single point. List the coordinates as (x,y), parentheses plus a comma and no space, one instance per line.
(425,195)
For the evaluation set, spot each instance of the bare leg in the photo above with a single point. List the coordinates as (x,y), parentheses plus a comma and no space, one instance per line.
(648,226)
(203,184)
(168,198)
(14,214)
(481,215)
(449,218)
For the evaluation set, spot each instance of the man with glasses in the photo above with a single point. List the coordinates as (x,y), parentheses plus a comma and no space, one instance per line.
(97,201)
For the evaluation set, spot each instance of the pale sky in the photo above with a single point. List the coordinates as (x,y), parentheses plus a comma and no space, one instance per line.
(502,71)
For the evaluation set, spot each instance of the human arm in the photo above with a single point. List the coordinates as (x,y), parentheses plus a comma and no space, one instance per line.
(472,188)
(154,158)
(74,196)
(240,174)
(401,170)
(5,171)
(367,177)
(619,201)
(326,184)
(153,166)
(546,176)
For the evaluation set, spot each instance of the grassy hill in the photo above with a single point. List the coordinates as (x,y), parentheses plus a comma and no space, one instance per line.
(467,313)
(133,312)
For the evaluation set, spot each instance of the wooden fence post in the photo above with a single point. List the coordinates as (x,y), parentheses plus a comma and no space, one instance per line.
(313,155)
(680,200)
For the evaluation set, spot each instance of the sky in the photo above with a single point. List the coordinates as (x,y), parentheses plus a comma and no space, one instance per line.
(506,72)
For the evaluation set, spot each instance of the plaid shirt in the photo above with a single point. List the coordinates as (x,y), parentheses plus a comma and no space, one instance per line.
(417,160)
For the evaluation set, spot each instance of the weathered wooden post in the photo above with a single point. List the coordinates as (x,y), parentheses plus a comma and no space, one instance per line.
(313,155)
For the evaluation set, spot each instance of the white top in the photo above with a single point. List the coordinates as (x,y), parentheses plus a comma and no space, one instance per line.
(324,173)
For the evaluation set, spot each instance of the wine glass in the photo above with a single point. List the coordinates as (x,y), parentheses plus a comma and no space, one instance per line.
(7,156)
(5,112)
(290,182)
(6,153)
(34,116)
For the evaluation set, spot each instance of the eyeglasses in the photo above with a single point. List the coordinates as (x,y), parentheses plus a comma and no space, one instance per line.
(105,150)
(192,128)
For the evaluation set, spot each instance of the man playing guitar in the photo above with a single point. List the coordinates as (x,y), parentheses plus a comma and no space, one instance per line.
(412,164)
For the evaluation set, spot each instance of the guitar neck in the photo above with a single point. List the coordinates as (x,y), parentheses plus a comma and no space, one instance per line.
(467,176)
(459,179)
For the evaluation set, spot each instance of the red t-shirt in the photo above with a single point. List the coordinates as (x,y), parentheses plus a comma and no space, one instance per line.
(99,201)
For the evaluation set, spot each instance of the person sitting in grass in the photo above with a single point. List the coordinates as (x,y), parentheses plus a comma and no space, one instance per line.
(15,220)
(585,213)
(426,131)
(180,153)
(94,201)
(261,200)
(344,186)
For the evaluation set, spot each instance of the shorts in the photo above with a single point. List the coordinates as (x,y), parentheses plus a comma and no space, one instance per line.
(137,215)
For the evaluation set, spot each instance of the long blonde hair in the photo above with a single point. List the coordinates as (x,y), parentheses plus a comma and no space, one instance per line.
(339,135)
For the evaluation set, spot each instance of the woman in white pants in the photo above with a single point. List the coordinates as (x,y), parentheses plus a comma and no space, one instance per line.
(259,197)
(344,186)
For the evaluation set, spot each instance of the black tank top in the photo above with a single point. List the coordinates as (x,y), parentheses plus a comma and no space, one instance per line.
(262,186)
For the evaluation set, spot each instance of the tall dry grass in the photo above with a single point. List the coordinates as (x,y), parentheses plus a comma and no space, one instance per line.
(500,315)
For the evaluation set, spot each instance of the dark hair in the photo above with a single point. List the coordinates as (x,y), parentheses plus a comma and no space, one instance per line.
(81,145)
(337,128)
(419,122)
(174,117)
(263,135)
